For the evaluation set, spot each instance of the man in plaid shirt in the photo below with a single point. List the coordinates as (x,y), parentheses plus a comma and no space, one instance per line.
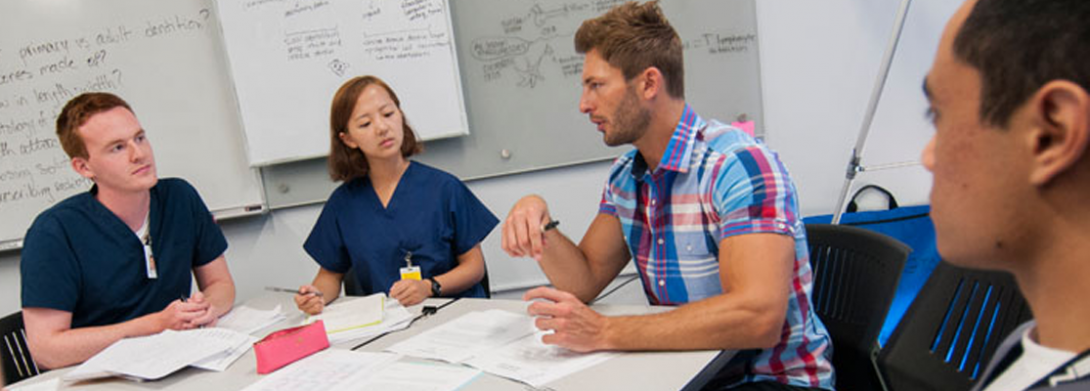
(709,215)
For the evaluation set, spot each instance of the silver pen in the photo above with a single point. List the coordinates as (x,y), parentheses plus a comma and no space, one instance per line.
(295,291)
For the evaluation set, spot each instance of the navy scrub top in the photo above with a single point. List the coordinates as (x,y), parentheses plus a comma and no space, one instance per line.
(81,258)
(431,214)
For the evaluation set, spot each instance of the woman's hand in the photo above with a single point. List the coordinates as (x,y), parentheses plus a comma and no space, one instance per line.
(309,300)
(410,292)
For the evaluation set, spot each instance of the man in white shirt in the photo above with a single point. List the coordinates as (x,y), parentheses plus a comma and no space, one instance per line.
(1009,100)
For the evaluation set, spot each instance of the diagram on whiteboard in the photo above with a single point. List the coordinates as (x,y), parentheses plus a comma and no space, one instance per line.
(533,46)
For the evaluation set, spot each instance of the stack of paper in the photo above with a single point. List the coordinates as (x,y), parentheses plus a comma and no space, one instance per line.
(337,370)
(502,343)
(249,320)
(155,356)
(220,361)
(353,318)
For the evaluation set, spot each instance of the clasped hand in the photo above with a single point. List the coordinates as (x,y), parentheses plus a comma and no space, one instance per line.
(191,313)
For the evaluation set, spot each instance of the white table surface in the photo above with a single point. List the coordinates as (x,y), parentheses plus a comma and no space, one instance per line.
(628,371)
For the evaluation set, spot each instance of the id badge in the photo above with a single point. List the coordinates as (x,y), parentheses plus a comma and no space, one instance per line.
(149,263)
(410,273)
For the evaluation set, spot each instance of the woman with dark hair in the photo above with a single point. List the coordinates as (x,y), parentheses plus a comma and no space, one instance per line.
(391,212)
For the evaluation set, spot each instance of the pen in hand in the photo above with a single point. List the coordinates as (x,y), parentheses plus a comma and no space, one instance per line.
(295,291)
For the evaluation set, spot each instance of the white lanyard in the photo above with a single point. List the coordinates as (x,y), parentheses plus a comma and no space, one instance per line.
(145,240)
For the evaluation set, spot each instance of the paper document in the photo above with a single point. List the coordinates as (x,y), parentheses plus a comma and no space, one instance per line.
(151,357)
(421,376)
(249,320)
(48,385)
(394,317)
(533,362)
(220,361)
(467,336)
(502,343)
(330,369)
(351,313)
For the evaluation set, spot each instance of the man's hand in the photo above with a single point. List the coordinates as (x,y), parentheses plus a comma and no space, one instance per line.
(209,318)
(410,292)
(186,315)
(309,301)
(575,326)
(522,234)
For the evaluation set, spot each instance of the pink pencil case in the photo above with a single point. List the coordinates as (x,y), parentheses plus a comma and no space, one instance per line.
(286,346)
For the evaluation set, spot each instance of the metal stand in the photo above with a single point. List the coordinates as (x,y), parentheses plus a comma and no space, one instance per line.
(857,153)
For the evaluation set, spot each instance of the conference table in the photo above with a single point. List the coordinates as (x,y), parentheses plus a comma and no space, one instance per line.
(628,371)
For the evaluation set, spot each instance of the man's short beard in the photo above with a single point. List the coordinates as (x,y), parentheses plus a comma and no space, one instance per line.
(630,121)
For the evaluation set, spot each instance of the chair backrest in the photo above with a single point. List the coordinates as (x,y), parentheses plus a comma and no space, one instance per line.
(352,285)
(855,278)
(952,329)
(14,352)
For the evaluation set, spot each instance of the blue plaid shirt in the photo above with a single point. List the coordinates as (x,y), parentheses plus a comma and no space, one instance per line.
(714,182)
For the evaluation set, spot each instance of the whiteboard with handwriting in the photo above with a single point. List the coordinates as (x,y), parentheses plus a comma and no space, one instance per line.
(163,57)
(288,58)
(522,79)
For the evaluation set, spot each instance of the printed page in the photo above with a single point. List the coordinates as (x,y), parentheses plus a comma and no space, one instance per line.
(395,317)
(351,313)
(249,320)
(420,376)
(467,336)
(150,357)
(219,362)
(325,370)
(530,361)
(48,385)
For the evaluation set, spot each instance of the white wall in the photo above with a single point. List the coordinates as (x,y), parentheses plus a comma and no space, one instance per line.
(819,63)
(819,60)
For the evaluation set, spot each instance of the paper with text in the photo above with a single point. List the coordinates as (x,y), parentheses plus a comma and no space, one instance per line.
(48,385)
(220,361)
(467,336)
(531,361)
(150,357)
(394,317)
(421,376)
(351,313)
(330,369)
(250,320)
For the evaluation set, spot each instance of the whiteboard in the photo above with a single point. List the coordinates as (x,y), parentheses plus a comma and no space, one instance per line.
(289,57)
(522,80)
(163,57)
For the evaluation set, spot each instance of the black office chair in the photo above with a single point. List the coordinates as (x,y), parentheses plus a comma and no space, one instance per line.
(952,329)
(352,285)
(14,352)
(855,278)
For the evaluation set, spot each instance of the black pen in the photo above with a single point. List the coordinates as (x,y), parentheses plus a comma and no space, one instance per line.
(295,291)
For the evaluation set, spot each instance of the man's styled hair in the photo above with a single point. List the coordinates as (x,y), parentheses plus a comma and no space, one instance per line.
(76,113)
(347,163)
(1020,45)
(634,37)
